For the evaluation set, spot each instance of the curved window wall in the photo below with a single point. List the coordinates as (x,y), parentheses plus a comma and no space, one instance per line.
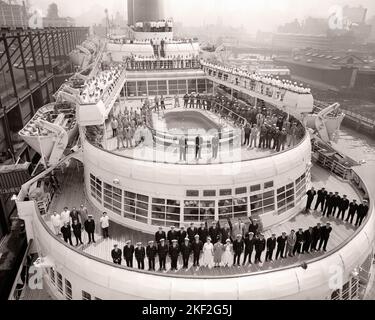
(167,87)
(200,205)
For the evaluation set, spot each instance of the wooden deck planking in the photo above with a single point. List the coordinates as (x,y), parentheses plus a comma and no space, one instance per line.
(73,195)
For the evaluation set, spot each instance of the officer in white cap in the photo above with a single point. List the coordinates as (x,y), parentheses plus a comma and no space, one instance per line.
(151,252)
(116,254)
(162,253)
(140,254)
(197,247)
(185,252)
(128,253)
(174,252)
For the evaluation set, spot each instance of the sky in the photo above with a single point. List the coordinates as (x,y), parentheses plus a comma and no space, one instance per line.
(254,15)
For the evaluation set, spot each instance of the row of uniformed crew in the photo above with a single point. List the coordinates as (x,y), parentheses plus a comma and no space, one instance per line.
(329,203)
(219,254)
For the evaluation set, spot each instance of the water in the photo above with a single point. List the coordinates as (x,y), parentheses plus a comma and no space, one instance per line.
(188,121)
(355,145)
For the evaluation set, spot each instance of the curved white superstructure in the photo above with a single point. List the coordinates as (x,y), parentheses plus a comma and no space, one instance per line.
(149,185)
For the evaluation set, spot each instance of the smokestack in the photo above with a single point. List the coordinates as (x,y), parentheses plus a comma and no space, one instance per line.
(148,10)
(131,12)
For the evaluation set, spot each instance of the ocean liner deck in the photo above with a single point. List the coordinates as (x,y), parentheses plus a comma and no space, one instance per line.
(74,196)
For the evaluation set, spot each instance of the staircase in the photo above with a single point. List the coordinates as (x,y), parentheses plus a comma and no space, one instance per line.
(110,100)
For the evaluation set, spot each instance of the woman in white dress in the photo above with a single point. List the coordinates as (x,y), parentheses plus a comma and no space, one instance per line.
(227,257)
(208,254)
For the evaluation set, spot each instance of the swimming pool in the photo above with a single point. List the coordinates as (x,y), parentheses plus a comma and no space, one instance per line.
(189,122)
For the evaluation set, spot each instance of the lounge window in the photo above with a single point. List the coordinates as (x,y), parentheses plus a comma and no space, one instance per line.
(52,275)
(201,85)
(112,198)
(131,89)
(285,198)
(192,85)
(59,282)
(242,190)
(86,295)
(255,188)
(136,206)
(262,203)
(182,87)
(165,212)
(68,290)
(152,88)
(233,208)
(162,87)
(300,187)
(268,185)
(173,87)
(195,210)
(226,192)
(96,188)
(192,193)
(142,88)
(209,193)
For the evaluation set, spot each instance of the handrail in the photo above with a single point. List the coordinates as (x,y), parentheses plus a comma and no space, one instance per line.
(306,137)
(14,287)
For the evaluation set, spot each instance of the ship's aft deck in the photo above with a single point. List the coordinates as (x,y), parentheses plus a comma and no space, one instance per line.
(170,155)
(73,196)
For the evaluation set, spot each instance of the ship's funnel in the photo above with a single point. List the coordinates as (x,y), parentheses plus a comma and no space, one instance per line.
(145,11)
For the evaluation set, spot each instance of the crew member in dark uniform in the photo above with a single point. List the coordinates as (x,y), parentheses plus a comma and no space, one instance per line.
(268,136)
(198,101)
(191,101)
(151,252)
(67,233)
(160,235)
(326,231)
(316,236)
(226,232)
(172,235)
(186,100)
(182,234)
(271,245)
(191,232)
(362,212)
(249,247)
(308,236)
(322,194)
(310,198)
(128,254)
(90,228)
(162,253)
(253,227)
(353,207)
(77,231)
(203,232)
(281,241)
(116,255)
(214,230)
(299,242)
(185,252)
(140,253)
(260,246)
(197,247)
(174,252)
(343,206)
(328,205)
(238,246)
(335,202)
